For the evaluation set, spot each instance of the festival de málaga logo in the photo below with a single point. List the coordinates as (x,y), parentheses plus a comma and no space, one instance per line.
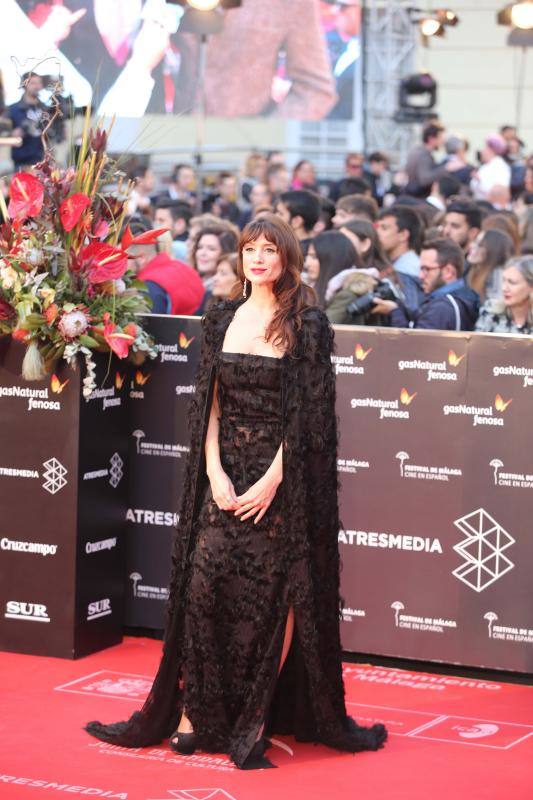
(516,480)
(119,380)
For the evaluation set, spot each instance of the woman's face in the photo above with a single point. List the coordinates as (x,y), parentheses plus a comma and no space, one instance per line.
(312,264)
(476,251)
(516,290)
(261,261)
(224,280)
(207,253)
(306,174)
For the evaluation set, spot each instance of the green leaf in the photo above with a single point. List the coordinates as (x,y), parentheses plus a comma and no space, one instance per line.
(87,341)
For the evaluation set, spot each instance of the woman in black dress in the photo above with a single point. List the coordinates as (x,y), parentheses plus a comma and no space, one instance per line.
(252,640)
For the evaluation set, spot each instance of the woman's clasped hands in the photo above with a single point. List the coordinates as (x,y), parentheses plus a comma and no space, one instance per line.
(255,502)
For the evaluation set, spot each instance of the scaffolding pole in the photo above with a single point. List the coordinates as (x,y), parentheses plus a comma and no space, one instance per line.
(389,55)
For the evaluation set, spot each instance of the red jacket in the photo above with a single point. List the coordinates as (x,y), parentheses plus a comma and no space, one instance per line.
(180,281)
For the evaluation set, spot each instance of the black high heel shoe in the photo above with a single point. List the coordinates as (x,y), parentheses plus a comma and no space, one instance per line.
(183,743)
(256,757)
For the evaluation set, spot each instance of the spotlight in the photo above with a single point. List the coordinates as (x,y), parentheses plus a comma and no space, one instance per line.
(418,96)
(430,26)
(203,5)
(447,17)
(517,15)
(522,15)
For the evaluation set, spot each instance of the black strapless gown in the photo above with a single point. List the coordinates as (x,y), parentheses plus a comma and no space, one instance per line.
(241,582)
(236,606)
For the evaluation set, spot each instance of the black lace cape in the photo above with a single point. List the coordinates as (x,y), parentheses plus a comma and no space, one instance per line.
(307,699)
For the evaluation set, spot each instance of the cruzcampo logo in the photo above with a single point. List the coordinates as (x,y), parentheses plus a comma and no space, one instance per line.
(405,398)
(360,353)
(185,343)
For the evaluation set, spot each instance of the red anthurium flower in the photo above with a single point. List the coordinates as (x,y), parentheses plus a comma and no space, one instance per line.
(148,237)
(101,229)
(103,262)
(118,341)
(72,208)
(26,196)
(6,310)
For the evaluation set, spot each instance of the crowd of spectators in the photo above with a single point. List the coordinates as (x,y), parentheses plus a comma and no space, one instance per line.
(444,243)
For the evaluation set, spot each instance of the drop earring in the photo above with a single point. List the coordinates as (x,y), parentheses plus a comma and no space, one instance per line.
(244,289)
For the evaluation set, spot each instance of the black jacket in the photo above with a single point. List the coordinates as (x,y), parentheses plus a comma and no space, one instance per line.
(453,307)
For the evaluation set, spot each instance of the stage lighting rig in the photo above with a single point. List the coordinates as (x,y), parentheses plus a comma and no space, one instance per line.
(518,15)
(207,5)
(430,26)
(433,23)
(417,98)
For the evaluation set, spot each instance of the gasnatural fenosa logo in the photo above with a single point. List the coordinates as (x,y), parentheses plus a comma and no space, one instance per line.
(360,353)
(56,386)
(184,342)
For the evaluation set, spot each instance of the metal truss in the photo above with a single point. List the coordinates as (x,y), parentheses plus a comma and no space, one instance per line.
(389,51)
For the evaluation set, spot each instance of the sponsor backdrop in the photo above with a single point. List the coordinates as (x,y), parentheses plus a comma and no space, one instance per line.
(436,480)
(63,499)
(159,395)
(436,486)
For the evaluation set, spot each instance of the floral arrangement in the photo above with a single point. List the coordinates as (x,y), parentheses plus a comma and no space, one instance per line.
(65,286)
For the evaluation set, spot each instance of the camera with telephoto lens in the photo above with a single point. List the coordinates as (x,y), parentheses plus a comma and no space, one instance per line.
(364,304)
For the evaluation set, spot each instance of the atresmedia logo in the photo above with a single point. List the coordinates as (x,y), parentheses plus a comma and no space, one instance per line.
(482,549)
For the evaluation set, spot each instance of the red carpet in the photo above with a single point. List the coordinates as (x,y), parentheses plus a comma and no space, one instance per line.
(451,739)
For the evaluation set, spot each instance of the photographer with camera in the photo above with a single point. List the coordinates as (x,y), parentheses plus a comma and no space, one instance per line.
(450,303)
(28,116)
(351,294)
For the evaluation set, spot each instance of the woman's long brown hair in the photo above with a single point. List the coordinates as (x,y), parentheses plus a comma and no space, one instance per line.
(499,248)
(291,294)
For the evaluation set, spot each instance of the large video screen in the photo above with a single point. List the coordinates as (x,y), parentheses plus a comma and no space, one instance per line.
(297,59)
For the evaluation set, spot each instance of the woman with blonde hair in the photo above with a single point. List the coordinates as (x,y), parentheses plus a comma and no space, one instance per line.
(514,313)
